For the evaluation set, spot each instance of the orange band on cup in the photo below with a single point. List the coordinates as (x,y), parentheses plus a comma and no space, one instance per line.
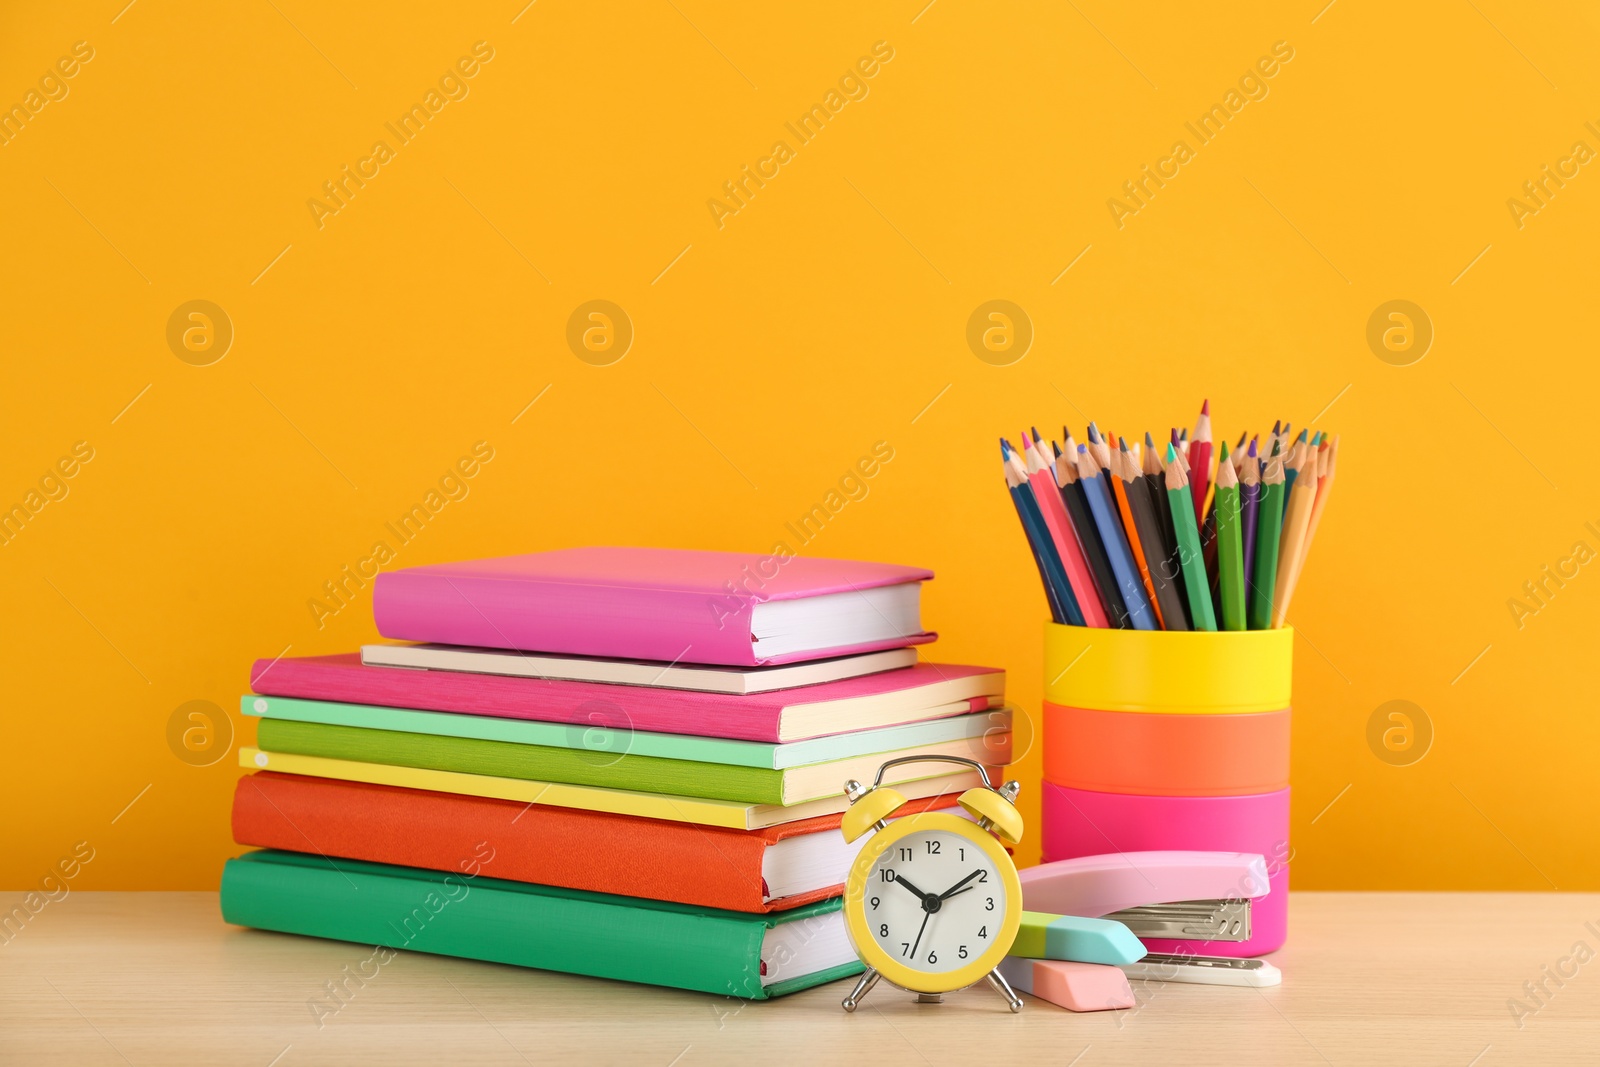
(1166,755)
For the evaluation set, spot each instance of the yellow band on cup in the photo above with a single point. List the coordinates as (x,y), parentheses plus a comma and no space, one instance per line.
(1185,673)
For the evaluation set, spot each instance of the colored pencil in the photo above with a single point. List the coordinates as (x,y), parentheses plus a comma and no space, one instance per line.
(1326,469)
(1120,460)
(1230,545)
(1033,522)
(1099,450)
(1044,453)
(1291,465)
(1296,522)
(1293,462)
(1043,485)
(1056,614)
(1178,451)
(1326,456)
(1250,507)
(1115,541)
(1238,451)
(1155,483)
(1269,531)
(1208,547)
(1154,545)
(1077,565)
(1077,506)
(1200,460)
(1190,557)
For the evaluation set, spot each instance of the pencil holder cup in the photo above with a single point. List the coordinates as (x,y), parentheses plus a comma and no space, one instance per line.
(1160,739)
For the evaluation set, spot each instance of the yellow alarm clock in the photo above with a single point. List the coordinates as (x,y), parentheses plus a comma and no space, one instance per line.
(933,902)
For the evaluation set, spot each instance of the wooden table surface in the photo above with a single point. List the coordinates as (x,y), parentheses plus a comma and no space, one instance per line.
(1369,978)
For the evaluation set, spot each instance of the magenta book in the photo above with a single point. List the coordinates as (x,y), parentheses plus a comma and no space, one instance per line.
(910,694)
(670,605)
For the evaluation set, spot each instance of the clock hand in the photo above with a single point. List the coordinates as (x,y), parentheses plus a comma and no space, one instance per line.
(911,887)
(953,889)
(958,892)
(925,917)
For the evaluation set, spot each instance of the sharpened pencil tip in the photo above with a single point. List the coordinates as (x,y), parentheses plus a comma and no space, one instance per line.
(1094,433)
(1253,454)
(1148,441)
(1277,426)
(1205,406)
(1302,436)
(1172,454)
(1122,443)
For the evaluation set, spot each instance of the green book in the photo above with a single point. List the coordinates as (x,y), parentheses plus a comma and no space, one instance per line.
(602,739)
(480,918)
(645,774)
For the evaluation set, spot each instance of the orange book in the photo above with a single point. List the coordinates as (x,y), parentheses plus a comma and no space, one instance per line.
(775,869)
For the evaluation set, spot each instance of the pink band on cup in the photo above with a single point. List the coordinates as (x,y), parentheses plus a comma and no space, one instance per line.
(1078,822)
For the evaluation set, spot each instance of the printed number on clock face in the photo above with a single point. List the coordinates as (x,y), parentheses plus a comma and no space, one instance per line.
(934,901)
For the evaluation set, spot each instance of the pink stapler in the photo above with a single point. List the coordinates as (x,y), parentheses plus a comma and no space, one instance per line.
(1185,896)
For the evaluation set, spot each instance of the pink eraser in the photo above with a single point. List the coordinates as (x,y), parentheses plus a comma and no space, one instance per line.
(1074,986)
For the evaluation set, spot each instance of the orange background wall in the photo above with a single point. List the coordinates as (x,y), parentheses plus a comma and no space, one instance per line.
(775,345)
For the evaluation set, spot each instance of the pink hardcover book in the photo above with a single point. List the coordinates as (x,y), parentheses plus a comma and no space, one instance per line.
(890,698)
(671,605)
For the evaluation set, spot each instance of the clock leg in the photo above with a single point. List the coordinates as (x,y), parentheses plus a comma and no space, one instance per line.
(868,979)
(1003,987)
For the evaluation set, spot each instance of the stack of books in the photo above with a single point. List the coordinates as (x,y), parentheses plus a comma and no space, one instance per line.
(620,762)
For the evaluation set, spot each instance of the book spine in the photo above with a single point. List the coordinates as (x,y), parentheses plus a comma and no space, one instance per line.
(506,759)
(594,851)
(614,707)
(609,621)
(719,813)
(601,740)
(478,918)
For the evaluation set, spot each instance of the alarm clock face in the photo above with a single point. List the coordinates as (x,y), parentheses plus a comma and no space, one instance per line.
(934,901)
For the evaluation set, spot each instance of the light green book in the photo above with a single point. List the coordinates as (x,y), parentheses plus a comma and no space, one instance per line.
(644,774)
(994,726)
